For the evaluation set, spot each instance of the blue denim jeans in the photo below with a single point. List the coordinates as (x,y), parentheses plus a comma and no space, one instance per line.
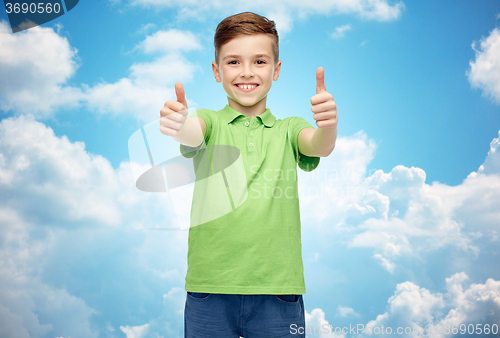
(210,315)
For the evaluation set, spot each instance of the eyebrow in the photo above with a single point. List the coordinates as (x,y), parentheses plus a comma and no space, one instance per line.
(235,56)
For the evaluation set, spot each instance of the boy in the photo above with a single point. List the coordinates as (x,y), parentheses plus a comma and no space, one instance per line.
(245,270)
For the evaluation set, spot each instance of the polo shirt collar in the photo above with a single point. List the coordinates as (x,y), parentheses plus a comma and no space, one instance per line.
(229,114)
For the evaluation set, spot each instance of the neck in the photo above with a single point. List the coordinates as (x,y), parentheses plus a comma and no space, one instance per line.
(249,111)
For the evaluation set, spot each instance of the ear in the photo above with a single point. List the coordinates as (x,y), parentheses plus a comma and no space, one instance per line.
(277,71)
(215,69)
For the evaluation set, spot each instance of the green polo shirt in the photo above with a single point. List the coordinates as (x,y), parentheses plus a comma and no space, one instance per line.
(254,248)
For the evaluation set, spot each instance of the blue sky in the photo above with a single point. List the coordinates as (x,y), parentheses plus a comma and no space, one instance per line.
(408,233)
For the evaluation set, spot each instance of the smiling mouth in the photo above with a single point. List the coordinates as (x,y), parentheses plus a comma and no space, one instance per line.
(246,87)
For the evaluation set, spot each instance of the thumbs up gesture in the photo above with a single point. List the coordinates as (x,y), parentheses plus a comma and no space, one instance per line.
(323,105)
(174,113)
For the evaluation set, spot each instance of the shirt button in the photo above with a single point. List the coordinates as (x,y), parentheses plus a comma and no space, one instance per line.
(250,144)
(247,123)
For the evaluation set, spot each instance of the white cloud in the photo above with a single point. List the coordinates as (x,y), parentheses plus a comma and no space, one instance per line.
(492,163)
(28,306)
(283,12)
(126,97)
(418,219)
(162,71)
(162,325)
(386,263)
(412,306)
(76,187)
(56,183)
(170,41)
(176,298)
(73,224)
(135,331)
(340,31)
(397,214)
(330,189)
(420,312)
(317,326)
(145,28)
(344,311)
(150,84)
(34,67)
(47,182)
(485,70)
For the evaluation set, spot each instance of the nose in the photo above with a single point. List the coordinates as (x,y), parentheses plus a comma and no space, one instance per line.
(247,70)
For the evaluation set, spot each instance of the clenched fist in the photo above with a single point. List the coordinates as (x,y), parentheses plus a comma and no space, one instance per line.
(174,113)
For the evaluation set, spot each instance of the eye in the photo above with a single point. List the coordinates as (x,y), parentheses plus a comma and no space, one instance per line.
(261,62)
(232,62)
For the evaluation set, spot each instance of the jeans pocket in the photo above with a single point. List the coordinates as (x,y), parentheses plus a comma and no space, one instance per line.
(290,306)
(200,295)
(288,298)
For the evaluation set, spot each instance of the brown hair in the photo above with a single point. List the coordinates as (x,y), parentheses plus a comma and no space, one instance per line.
(247,23)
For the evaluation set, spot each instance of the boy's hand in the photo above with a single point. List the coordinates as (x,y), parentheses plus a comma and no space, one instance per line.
(174,113)
(323,105)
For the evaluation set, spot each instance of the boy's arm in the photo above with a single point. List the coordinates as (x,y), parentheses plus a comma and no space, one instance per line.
(317,142)
(321,141)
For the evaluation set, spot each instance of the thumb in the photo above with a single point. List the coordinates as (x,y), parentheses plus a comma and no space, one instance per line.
(320,80)
(181,96)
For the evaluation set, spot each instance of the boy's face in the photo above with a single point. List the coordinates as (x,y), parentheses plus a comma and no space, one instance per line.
(247,69)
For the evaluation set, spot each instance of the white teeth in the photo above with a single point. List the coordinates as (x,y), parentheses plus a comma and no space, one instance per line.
(243,86)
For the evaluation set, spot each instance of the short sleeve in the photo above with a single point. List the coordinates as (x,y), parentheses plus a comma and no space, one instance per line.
(306,163)
(207,116)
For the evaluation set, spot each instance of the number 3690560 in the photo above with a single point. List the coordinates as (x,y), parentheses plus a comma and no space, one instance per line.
(33,8)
